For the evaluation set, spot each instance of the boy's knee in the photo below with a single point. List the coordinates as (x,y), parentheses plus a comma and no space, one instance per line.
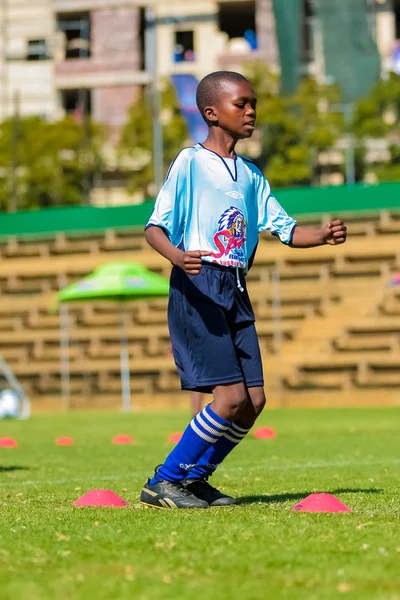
(237,404)
(258,400)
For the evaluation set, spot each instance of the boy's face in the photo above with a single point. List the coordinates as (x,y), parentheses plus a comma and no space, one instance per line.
(235,109)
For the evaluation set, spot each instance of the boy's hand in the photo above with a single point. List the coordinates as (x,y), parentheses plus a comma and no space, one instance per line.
(191,261)
(334,233)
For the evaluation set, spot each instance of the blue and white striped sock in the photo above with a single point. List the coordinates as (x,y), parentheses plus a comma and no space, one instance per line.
(201,434)
(214,455)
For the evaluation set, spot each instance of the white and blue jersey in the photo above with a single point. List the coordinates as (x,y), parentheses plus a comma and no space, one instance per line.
(219,205)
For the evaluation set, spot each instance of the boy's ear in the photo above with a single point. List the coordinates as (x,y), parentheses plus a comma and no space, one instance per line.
(210,114)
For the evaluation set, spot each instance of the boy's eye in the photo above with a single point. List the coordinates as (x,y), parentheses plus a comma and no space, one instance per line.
(240,105)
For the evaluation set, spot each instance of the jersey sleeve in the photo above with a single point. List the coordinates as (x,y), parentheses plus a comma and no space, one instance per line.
(271,215)
(169,209)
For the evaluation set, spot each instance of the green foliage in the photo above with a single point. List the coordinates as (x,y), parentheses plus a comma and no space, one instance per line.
(136,144)
(295,128)
(377,117)
(44,164)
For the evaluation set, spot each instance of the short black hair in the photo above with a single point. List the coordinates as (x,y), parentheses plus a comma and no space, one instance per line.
(210,88)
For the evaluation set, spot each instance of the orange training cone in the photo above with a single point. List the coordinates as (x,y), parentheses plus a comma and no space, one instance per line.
(100,498)
(122,439)
(174,438)
(8,443)
(64,441)
(264,433)
(322,503)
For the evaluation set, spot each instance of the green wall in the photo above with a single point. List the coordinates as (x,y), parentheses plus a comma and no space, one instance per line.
(297,202)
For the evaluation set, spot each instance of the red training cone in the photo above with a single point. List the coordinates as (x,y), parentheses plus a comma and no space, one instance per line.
(322,503)
(100,498)
(174,438)
(64,441)
(8,443)
(122,439)
(264,433)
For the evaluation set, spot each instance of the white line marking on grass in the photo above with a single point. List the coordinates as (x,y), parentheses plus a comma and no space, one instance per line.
(317,465)
(285,467)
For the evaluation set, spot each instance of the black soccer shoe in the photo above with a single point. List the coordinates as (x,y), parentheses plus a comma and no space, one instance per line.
(204,491)
(165,494)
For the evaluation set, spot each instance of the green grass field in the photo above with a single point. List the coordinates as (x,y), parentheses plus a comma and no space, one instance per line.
(260,549)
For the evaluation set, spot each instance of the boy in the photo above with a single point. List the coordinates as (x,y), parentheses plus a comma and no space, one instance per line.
(206,222)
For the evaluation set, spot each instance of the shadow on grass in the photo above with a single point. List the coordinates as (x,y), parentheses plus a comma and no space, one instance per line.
(12,468)
(301,495)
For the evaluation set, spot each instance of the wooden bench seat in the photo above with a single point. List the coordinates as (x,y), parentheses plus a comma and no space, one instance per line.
(379,378)
(110,349)
(323,380)
(384,342)
(19,248)
(145,365)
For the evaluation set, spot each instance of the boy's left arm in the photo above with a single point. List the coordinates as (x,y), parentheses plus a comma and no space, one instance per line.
(334,233)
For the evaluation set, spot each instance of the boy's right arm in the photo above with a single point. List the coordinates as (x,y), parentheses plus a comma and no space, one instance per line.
(190,261)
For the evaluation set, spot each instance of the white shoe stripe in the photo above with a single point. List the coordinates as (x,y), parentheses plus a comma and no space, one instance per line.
(170,502)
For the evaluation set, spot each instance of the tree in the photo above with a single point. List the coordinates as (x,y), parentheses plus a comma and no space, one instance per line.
(45,164)
(377,118)
(294,129)
(136,144)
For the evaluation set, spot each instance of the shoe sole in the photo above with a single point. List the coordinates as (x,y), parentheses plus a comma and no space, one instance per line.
(172,507)
(151,505)
(163,502)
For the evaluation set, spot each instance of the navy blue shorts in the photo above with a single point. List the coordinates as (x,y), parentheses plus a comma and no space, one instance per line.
(211,322)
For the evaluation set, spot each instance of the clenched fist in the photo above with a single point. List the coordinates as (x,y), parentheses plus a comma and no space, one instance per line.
(334,233)
(191,261)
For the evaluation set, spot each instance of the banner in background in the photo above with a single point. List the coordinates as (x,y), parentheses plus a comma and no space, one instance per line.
(352,58)
(288,19)
(185,87)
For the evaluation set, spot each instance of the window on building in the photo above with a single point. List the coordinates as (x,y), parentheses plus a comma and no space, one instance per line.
(238,20)
(307,38)
(184,46)
(37,50)
(396,7)
(77,103)
(142,30)
(76,28)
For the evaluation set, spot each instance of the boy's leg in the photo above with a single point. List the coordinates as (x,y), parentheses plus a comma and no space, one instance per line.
(205,356)
(203,432)
(196,401)
(245,339)
(243,422)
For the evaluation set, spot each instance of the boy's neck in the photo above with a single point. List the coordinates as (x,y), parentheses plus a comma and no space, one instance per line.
(221,142)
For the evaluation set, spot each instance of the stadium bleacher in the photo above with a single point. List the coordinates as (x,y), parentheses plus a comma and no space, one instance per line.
(334,338)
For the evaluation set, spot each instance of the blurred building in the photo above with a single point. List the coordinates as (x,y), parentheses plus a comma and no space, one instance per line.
(26,69)
(72,56)
(75,56)
(94,57)
(204,35)
(98,57)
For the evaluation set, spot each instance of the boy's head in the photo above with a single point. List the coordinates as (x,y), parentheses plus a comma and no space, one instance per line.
(227,100)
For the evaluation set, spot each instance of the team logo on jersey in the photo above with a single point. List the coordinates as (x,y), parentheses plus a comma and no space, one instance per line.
(234,194)
(231,236)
